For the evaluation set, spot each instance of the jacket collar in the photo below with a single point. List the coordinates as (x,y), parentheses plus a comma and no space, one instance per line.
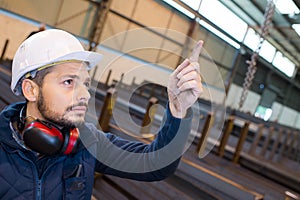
(8,115)
(11,113)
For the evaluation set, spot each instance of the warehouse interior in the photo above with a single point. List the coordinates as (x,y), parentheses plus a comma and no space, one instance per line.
(245,142)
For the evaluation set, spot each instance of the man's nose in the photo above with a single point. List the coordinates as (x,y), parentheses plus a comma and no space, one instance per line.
(83,94)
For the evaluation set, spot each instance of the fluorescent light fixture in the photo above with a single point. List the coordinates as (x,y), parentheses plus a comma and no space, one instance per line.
(180,8)
(287,7)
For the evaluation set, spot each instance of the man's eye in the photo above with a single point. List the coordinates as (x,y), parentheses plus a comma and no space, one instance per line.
(87,84)
(68,82)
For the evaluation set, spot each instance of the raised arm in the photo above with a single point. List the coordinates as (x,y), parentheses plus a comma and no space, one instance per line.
(159,159)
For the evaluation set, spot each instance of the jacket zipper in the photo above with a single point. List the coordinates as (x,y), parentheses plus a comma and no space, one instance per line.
(38,181)
(39,189)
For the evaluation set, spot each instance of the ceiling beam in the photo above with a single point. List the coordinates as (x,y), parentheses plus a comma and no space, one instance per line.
(296,58)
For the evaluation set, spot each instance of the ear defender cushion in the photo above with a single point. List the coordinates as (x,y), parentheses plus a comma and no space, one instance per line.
(71,139)
(45,139)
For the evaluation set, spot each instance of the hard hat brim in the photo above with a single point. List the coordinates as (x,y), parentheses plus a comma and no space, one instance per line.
(92,58)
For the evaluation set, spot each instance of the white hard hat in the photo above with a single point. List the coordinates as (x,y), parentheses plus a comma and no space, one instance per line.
(47,47)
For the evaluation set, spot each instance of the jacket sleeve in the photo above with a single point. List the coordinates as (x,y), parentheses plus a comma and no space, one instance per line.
(144,162)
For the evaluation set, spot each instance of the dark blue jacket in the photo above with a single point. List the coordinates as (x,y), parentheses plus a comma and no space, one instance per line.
(24,175)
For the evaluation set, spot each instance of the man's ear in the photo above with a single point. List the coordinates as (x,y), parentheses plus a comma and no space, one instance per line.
(30,90)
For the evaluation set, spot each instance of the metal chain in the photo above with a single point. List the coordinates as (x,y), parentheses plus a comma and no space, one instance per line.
(269,12)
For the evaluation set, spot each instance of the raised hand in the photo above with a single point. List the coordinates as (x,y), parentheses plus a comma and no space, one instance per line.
(185,85)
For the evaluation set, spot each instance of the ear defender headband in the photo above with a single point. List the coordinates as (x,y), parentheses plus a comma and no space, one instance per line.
(47,139)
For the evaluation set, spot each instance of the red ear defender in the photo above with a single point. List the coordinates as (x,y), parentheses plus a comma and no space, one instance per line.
(70,141)
(49,140)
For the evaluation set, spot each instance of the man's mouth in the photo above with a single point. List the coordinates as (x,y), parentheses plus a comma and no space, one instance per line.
(82,109)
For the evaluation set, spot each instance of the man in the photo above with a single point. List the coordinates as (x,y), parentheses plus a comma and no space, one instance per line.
(41,155)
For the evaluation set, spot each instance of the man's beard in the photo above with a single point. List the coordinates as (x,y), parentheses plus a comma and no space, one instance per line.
(55,118)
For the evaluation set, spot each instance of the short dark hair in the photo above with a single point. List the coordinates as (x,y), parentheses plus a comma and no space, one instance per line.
(40,75)
(38,78)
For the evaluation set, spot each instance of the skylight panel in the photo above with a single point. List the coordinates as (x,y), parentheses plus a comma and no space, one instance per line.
(251,39)
(219,34)
(267,51)
(180,8)
(287,7)
(296,27)
(284,64)
(221,16)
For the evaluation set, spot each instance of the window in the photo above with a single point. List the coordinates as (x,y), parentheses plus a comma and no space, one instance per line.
(284,64)
(221,16)
(296,27)
(287,7)
(180,8)
(263,112)
(219,34)
(251,39)
(267,51)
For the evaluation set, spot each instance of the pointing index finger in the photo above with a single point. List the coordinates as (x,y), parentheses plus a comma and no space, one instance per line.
(196,51)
